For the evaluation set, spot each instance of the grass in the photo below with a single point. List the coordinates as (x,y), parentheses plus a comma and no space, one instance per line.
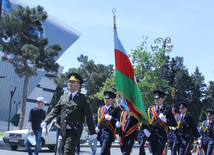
(1,134)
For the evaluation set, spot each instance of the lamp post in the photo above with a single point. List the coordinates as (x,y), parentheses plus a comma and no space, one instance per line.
(12,92)
(166,47)
(17,104)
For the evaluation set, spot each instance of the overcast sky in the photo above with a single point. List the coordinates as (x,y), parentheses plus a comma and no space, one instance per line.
(188,23)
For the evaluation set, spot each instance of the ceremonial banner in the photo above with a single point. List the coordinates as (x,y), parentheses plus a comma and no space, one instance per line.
(126,83)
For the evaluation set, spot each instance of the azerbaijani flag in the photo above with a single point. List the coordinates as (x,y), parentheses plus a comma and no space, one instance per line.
(126,83)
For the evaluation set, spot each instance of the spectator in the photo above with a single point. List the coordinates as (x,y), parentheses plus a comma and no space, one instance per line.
(36,116)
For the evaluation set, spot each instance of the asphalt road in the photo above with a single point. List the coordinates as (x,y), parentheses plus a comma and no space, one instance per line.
(83,151)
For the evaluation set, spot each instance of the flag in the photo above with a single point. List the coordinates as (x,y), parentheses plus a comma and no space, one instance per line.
(126,83)
(194,150)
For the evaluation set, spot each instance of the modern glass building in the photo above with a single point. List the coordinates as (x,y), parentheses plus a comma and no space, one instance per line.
(11,86)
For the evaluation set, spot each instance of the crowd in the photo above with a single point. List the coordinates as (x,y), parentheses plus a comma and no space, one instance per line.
(175,128)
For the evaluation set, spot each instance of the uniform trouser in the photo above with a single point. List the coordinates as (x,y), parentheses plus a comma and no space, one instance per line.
(184,147)
(173,145)
(208,148)
(70,142)
(127,144)
(157,143)
(142,149)
(106,141)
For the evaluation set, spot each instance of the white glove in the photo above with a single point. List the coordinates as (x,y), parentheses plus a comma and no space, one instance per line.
(118,124)
(108,117)
(146,132)
(97,130)
(43,125)
(92,137)
(162,117)
(174,128)
(199,141)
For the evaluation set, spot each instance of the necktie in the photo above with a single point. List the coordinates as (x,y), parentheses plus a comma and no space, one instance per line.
(158,110)
(105,110)
(70,97)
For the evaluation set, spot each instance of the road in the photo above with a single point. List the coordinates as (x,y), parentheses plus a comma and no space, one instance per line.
(83,151)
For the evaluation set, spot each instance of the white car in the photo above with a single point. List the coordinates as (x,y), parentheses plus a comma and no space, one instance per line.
(16,138)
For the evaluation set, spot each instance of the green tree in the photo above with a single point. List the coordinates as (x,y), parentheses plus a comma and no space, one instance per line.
(29,51)
(94,76)
(208,101)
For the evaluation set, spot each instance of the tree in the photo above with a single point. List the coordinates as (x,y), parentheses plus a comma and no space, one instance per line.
(28,50)
(208,101)
(94,76)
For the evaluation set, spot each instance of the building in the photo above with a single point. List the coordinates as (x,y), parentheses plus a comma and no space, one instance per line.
(11,89)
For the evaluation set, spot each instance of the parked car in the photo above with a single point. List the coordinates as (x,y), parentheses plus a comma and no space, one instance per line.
(16,138)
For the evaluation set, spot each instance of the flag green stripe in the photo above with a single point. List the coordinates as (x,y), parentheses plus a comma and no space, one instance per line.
(132,93)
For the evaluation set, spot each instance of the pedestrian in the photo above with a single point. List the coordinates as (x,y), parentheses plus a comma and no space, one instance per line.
(73,108)
(186,130)
(107,122)
(207,133)
(36,116)
(158,138)
(172,139)
(129,133)
(93,143)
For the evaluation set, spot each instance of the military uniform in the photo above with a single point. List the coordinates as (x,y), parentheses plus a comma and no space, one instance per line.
(172,140)
(158,138)
(107,127)
(207,133)
(140,135)
(129,124)
(186,131)
(72,114)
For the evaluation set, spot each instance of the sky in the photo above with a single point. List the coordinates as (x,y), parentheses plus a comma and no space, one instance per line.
(189,24)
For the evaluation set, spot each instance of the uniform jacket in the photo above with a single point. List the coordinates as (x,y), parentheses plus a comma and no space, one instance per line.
(207,131)
(186,128)
(160,132)
(73,113)
(105,127)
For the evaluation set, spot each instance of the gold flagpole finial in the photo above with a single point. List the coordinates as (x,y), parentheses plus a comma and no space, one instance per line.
(114,19)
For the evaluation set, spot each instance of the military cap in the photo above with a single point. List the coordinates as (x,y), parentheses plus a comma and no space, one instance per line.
(159,93)
(109,94)
(75,77)
(183,105)
(210,112)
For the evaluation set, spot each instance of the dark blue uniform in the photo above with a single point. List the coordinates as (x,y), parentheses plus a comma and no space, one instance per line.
(186,132)
(159,137)
(207,133)
(140,136)
(108,131)
(129,124)
(172,140)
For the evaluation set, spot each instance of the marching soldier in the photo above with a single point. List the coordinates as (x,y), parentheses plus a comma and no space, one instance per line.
(72,107)
(207,133)
(172,136)
(158,137)
(140,135)
(107,121)
(128,135)
(186,130)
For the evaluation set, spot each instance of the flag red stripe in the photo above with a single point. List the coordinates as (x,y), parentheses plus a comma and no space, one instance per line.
(123,64)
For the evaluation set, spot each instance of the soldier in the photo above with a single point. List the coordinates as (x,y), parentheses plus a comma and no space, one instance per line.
(129,133)
(72,106)
(186,130)
(207,133)
(107,121)
(172,136)
(158,137)
(140,135)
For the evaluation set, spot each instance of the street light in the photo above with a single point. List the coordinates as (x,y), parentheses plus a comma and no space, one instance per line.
(12,92)
(166,47)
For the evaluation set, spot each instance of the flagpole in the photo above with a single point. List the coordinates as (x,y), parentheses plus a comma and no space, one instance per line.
(114,20)
(115,29)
